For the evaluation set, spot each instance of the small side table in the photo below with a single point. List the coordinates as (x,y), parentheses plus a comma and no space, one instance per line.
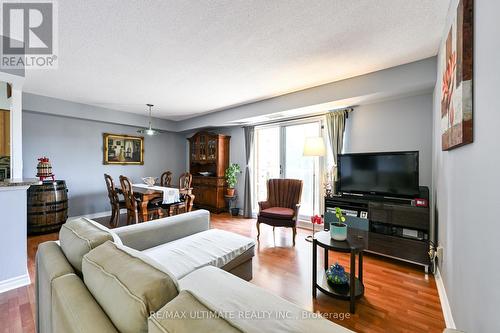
(231,199)
(355,244)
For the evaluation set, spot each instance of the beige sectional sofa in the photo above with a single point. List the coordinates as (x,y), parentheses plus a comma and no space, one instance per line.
(169,275)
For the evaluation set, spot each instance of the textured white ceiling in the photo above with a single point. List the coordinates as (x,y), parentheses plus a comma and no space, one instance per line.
(192,57)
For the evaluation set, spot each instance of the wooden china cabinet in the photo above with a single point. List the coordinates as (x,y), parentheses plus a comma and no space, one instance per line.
(208,160)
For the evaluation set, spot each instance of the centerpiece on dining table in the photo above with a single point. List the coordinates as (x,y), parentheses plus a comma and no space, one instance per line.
(150,181)
(170,194)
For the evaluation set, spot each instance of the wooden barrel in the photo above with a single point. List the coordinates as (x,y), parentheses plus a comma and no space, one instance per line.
(47,207)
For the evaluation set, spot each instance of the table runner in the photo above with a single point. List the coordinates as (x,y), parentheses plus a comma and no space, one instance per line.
(170,194)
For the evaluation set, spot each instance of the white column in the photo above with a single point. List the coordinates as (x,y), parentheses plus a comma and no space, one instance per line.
(16,132)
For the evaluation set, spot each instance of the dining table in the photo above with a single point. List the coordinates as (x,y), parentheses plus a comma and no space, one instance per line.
(145,195)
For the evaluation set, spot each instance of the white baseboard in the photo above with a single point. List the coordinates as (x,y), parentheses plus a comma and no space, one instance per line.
(308,225)
(445,305)
(15,282)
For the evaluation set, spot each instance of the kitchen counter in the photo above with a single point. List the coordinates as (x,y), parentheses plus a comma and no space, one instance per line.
(19,182)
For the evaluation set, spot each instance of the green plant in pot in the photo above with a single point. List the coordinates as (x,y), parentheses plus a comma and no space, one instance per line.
(338,230)
(231,175)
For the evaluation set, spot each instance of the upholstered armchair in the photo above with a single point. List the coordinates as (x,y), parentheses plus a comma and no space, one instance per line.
(281,209)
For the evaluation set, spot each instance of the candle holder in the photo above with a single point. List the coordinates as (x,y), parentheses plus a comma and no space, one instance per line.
(316,219)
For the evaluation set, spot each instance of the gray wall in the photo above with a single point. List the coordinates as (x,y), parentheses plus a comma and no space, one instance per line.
(59,107)
(237,155)
(4,102)
(467,184)
(396,125)
(74,147)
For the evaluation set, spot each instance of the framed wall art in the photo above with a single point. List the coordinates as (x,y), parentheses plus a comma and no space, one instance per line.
(123,149)
(456,80)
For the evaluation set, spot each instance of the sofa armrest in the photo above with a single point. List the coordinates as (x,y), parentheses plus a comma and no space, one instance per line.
(50,264)
(264,205)
(153,233)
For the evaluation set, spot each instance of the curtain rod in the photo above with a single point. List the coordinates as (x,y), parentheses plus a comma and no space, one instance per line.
(270,122)
(348,110)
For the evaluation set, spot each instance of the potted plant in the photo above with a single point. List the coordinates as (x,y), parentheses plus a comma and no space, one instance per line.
(231,176)
(338,230)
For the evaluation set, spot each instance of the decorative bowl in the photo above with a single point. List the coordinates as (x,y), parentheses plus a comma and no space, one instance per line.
(336,275)
(205,174)
(150,181)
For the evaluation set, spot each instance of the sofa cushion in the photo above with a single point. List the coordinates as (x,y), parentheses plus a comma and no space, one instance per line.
(185,314)
(278,213)
(241,301)
(78,236)
(212,247)
(74,308)
(127,285)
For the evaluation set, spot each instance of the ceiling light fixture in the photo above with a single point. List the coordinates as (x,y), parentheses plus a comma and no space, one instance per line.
(149,130)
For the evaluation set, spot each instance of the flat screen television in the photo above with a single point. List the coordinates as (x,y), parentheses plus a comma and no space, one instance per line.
(389,173)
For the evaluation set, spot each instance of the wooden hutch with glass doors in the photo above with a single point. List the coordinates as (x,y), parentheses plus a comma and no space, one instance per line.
(208,160)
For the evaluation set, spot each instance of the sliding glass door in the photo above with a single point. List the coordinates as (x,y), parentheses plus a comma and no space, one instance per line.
(267,162)
(279,154)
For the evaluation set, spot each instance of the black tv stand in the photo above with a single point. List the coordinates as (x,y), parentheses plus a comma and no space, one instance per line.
(396,227)
(373,197)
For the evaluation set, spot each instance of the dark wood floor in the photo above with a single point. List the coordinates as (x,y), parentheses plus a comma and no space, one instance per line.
(398,297)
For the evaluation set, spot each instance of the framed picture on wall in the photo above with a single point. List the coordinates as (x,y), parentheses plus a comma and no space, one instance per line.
(457,77)
(123,149)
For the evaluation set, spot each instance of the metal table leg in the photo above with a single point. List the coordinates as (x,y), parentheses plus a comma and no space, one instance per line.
(325,264)
(360,267)
(314,267)
(352,286)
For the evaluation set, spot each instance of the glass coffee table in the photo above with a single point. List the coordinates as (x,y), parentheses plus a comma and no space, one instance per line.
(355,243)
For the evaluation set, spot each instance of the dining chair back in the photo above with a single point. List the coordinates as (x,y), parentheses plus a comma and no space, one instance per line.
(186,197)
(166,179)
(185,181)
(114,200)
(130,200)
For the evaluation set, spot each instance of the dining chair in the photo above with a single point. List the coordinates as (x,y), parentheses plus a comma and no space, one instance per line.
(114,200)
(132,203)
(186,199)
(185,181)
(166,179)
(185,205)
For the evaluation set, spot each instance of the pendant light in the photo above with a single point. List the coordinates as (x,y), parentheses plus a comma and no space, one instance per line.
(149,130)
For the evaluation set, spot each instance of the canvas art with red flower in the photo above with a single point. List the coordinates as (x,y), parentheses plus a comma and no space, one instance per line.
(456,87)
